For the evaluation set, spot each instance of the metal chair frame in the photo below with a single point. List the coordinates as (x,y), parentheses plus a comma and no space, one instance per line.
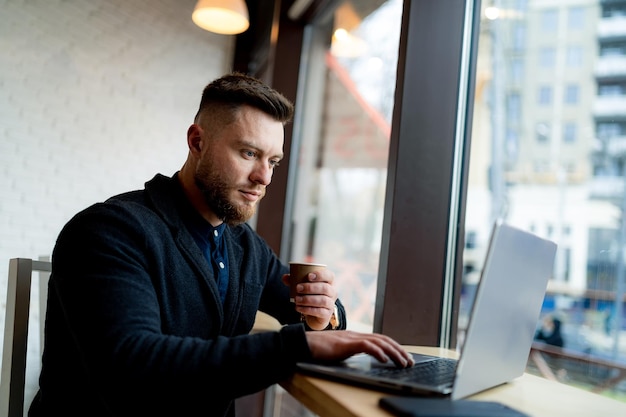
(13,377)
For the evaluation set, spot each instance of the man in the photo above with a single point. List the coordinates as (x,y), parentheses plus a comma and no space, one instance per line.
(153,293)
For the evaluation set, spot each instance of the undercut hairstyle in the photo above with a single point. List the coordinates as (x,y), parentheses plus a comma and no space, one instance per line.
(234,90)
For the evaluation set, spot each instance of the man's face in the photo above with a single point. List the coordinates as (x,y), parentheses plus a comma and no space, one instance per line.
(237,163)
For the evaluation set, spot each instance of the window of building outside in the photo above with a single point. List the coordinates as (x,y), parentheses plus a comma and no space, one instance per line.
(513,104)
(569,132)
(575,56)
(576,18)
(545,95)
(571,94)
(517,70)
(547,57)
(542,130)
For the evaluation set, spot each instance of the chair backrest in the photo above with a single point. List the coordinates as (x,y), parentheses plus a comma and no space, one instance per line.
(13,377)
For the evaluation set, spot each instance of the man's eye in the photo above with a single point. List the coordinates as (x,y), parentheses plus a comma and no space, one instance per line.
(274,163)
(250,154)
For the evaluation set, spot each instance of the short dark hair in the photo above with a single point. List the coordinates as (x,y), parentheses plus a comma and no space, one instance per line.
(237,89)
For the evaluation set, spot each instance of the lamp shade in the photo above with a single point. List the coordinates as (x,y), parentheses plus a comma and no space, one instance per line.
(228,17)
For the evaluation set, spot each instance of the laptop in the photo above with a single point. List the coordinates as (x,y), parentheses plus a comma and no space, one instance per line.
(500,331)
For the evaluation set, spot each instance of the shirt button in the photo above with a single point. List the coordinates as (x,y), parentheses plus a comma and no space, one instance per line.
(222,265)
(215,233)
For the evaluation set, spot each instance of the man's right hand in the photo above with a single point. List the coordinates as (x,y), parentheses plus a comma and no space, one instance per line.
(340,345)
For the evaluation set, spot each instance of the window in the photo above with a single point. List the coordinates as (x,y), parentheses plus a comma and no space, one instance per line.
(344,164)
(517,70)
(571,94)
(512,144)
(542,132)
(526,190)
(616,50)
(519,37)
(566,253)
(570,163)
(613,10)
(569,132)
(549,21)
(574,56)
(470,240)
(608,130)
(576,18)
(545,95)
(607,90)
(513,108)
(547,56)
(351,241)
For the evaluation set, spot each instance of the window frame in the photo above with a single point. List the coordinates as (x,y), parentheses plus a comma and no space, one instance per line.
(431,129)
(435,109)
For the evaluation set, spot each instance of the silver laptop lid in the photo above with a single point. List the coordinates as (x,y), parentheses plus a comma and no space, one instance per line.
(505,311)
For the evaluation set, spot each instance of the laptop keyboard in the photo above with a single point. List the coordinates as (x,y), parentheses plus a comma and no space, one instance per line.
(436,372)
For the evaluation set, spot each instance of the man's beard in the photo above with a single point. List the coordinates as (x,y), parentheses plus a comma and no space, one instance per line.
(215,192)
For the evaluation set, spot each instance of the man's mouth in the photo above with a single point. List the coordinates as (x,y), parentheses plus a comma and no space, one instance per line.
(252,195)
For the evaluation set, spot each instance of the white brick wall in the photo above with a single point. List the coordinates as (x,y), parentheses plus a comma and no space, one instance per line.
(95,98)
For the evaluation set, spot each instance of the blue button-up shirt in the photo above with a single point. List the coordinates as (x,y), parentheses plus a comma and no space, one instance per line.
(211,241)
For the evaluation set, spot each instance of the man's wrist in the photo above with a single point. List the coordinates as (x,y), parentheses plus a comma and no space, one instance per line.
(333,323)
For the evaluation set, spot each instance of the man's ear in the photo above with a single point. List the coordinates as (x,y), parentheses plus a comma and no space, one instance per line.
(194,139)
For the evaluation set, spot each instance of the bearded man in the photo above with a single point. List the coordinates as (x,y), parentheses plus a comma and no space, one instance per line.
(153,293)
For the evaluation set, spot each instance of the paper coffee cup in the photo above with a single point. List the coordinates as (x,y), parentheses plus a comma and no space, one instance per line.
(298,272)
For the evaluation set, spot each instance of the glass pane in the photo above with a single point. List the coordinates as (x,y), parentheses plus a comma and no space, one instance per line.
(548,155)
(342,162)
(341,175)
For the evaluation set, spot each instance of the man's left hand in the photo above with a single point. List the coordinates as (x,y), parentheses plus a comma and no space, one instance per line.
(316,298)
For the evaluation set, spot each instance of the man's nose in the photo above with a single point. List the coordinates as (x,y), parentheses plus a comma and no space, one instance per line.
(262,173)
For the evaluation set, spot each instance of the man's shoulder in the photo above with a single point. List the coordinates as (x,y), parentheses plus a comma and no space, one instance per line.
(127,204)
(135,196)
(158,184)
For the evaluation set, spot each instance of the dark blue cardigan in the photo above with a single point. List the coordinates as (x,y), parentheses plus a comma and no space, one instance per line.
(134,324)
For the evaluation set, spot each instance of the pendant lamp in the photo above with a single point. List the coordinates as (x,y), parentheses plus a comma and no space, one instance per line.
(227,17)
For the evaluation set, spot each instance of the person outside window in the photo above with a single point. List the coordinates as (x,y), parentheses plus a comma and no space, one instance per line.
(550,332)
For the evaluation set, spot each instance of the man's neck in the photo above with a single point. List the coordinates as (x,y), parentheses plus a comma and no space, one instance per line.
(195,197)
